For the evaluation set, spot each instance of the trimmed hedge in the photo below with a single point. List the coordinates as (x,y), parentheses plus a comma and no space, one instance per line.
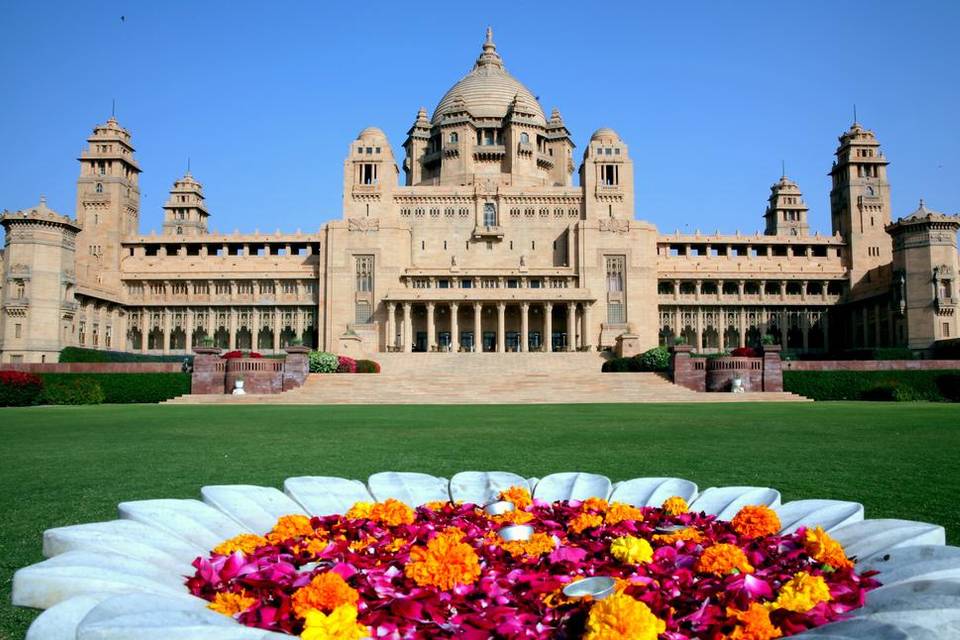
(78,354)
(76,390)
(119,388)
(368,366)
(18,389)
(900,386)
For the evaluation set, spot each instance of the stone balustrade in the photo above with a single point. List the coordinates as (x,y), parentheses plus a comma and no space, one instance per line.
(717,374)
(214,375)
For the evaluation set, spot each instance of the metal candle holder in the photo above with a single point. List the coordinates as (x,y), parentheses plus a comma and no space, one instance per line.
(516,532)
(598,588)
(499,508)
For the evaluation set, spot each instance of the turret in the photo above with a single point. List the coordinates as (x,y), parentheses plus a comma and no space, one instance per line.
(185,213)
(786,213)
(369,176)
(606,177)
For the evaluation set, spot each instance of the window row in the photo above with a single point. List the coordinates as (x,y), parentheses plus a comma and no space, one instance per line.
(448,212)
(225,250)
(489,283)
(750,288)
(263,287)
(748,251)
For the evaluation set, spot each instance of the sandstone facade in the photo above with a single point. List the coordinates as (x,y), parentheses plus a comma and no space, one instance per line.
(484,243)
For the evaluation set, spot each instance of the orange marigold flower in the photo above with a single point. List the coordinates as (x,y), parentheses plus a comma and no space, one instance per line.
(396,544)
(585,521)
(620,617)
(722,559)
(825,549)
(684,534)
(341,624)
(753,624)
(359,511)
(325,592)
(292,526)
(444,563)
(245,542)
(392,513)
(675,505)
(436,505)
(538,544)
(315,546)
(756,521)
(519,496)
(230,604)
(513,517)
(618,512)
(594,504)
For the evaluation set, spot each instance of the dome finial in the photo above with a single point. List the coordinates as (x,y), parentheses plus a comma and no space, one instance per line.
(489,57)
(489,38)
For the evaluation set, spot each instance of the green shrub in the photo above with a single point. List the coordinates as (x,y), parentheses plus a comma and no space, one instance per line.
(126,388)
(76,390)
(900,386)
(368,366)
(78,354)
(656,359)
(949,386)
(323,362)
(19,389)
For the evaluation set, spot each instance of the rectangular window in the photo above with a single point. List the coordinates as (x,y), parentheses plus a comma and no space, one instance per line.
(946,329)
(615,269)
(513,283)
(17,329)
(267,288)
(466,284)
(363,313)
(421,283)
(364,265)
(443,284)
(615,313)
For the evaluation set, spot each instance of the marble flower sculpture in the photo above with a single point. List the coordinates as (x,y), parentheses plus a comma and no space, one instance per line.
(257,562)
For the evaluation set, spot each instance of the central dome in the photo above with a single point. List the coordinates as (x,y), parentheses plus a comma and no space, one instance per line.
(488,90)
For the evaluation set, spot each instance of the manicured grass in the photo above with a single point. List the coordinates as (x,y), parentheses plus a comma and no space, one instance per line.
(68,465)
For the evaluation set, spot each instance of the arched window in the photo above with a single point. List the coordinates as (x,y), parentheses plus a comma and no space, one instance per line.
(489,214)
(454,137)
(99,187)
(179,231)
(525,138)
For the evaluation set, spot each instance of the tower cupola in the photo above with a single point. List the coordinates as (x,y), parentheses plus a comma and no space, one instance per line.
(786,213)
(185,211)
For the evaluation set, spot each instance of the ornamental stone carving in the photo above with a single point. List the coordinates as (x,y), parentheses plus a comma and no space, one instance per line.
(614,225)
(363,225)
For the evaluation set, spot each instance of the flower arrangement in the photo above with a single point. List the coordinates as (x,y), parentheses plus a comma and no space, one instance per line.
(443,570)
(346,365)
(232,355)
(18,389)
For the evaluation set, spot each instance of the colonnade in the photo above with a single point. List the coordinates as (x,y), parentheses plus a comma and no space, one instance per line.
(699,321)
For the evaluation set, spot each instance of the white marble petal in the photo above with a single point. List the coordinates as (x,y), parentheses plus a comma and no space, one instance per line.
(191,520)
(725,502)
(572,485)
(532,483)
(481,487)
(150,617)
(410,488)
(858,629)
(870,537)
(125,537)
(60,621)
(257,508)
(922,562)
(930,605)
(77,573)
(326,495)
(829,514)
(651,492)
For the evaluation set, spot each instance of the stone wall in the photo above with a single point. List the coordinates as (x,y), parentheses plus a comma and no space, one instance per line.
(869,365)
(717,374)
(214,375)
(94,367)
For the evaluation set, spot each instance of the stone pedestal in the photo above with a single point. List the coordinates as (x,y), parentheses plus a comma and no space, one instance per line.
(628,345)
(296,367)
(772,368)
(209,371)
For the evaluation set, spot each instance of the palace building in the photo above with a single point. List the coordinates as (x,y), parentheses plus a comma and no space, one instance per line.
(485,243)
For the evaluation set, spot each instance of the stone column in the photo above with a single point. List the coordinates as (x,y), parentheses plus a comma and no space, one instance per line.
(431,327)
(188,330)
(805,323)
(722,330)
(390,339)
(144,329)
(454,327)
(585,337)
(277,328)
(784,327)
(740,286)
(477,327)
(783,289)
(525,326)
(697,284)
(232,329)
(742,342)
(407,327)
(166,331)
(548,326)
(676,290)
(823,291)
(571,326)
(699,329)
(298,320)
(501,327)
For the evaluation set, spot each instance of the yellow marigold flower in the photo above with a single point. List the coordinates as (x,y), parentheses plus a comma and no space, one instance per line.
(538,544)
(585,521)
(631,550)
(620,617)
(675,505)
(392,513)
(230,604)
(245,542)
(341,624)
(721,559)
(396,544)
(360,511)
(444,563)
(618,512)
(519,496)
(689,533)
(513,517)
(594,504)
(436,505)
(315,546)
(802,593)
(325,592)
(756,521)
(287,527)
(753,624)
(825,549)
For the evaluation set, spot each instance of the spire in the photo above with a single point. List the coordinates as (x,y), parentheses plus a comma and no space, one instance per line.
(783,169)
(489,57)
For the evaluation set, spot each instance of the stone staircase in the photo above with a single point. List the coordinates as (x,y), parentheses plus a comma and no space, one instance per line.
(486,378)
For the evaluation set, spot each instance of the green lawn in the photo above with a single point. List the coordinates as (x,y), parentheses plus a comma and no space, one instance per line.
(67,465)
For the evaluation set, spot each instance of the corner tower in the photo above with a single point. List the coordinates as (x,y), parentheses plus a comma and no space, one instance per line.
(860,202)
(606,177)
(185,213)
(786,213)
(108,207)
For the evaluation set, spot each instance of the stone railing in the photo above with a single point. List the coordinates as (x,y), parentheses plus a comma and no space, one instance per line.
(717,374)
(212,374)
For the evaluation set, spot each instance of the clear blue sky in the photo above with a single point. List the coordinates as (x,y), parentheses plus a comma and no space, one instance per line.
(265,97)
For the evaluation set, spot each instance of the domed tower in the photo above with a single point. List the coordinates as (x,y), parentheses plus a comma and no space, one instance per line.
(860,202)
(108,207)
(606,177)
(488,126)
(786,213)
(369,176)
(185,213)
